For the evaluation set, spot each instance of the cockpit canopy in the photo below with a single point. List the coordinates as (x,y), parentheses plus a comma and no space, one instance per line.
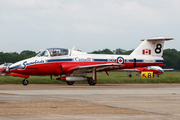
(53,52)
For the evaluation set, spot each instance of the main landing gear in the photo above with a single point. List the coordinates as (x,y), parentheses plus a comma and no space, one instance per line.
(91,81)
(70,79)
(25,82)
(70,82)
(129,75)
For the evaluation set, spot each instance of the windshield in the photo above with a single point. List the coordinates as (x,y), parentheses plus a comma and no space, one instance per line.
(7,64)
(43,53)
(53,52)
(57,52)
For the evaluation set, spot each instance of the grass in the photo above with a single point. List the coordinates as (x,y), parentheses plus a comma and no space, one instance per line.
(113,78)
(122,78)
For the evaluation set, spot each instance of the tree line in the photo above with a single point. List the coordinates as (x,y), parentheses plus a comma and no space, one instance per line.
(13,57)
(171,56)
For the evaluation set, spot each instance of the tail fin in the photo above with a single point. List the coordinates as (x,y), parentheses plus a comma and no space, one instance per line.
(153,46)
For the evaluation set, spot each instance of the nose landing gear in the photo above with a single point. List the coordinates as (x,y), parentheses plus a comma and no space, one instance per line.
(25,82)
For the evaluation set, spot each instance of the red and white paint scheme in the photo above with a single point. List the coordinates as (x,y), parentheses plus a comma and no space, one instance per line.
(4,66)
(155,69)
(75,65)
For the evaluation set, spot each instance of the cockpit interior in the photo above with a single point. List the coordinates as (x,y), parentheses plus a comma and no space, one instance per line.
(51,52)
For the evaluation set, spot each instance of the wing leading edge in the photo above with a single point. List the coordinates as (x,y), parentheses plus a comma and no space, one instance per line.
(99,67)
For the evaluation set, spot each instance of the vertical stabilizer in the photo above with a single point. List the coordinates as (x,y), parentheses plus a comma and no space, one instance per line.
(153,46)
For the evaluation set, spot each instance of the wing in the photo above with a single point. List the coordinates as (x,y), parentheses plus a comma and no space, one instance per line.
(99,67)
(131,70)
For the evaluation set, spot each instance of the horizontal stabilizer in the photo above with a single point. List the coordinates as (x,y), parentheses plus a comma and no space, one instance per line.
(158,38)
(170,69)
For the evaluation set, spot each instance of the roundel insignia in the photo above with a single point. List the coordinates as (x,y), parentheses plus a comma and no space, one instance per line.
(120,60)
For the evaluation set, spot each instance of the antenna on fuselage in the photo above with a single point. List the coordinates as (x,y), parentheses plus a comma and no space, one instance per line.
(73,49)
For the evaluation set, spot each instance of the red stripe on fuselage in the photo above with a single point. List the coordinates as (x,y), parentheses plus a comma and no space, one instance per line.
(55,68)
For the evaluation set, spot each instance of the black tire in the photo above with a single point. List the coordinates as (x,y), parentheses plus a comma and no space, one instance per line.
(70,82)
(25,82)
(91,81)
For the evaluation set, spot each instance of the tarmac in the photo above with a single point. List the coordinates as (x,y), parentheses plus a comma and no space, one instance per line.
(84,102)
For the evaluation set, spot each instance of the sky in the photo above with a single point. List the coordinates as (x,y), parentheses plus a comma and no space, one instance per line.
(88,24)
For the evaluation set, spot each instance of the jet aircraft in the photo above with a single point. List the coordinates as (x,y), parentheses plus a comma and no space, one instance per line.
(155,69)
(74,65)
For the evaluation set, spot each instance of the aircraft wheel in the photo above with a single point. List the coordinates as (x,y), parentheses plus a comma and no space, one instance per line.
(91,81)
(130,75)
(70,82)
(25,82)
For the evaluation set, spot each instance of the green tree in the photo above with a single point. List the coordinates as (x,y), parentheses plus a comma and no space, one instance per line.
(13,57)
(171,57)
(28,53)
(119,51)
(104,51)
